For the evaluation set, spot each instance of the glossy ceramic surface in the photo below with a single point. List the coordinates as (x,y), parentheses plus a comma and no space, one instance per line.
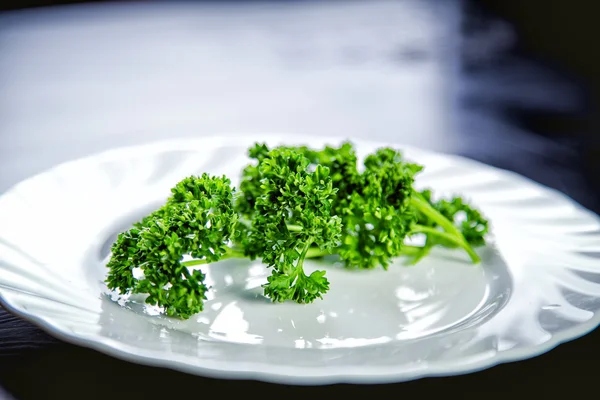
(538,285)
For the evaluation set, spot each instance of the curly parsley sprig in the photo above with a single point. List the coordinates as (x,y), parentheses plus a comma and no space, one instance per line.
(291,213)
(197,220)
(378,206)
(294,203)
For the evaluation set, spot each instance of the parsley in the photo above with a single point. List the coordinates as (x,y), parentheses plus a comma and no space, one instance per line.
(294,203)
(198,219)
(291,212)
(470,222)
(380,208)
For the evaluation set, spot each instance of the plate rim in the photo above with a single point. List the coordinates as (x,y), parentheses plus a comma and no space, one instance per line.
(261,371)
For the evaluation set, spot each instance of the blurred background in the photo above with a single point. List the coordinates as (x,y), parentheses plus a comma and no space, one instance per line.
(512,83)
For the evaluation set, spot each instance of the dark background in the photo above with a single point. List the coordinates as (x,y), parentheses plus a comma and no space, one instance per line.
(509,114)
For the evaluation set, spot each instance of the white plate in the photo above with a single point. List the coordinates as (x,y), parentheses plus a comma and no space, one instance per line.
(539,284)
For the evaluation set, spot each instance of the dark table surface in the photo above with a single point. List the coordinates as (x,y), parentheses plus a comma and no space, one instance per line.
(79,80)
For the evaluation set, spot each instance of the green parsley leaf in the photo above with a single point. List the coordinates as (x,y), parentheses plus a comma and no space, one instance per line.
(198,219)
(292,211)
(295,203)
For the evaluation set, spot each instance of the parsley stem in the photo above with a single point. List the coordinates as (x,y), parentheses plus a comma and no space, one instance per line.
(454,234)
(407,250)
(417,252)
(294,228)
(423,206)
(300,263)
(231,253)
(315,252)
(458,240)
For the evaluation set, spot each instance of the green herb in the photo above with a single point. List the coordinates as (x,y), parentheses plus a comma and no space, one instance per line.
(471,223)
(291,213)
(379,207)
(198,219)
(294,203)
